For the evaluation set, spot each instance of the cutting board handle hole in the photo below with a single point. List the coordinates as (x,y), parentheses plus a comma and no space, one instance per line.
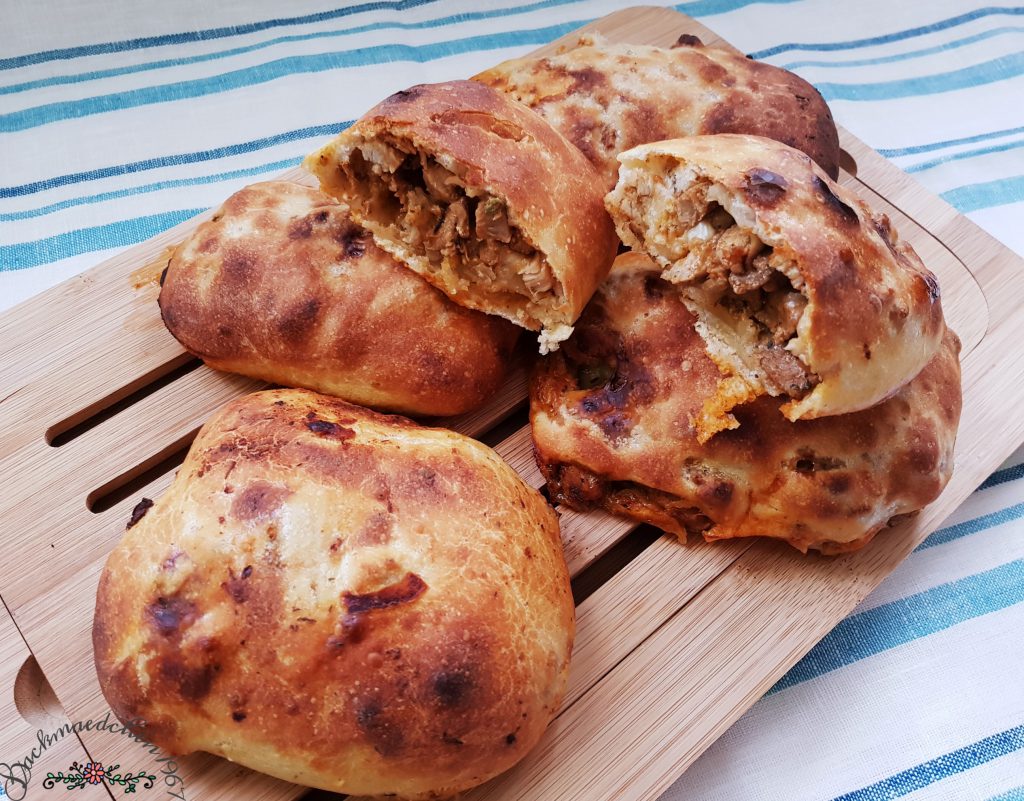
(847,163)
(132,481)
(70,428)
(35,699)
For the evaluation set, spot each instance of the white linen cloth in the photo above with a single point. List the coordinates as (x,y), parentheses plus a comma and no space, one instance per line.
(119,119)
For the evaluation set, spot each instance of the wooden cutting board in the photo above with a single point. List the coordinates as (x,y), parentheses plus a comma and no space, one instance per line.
(98,404)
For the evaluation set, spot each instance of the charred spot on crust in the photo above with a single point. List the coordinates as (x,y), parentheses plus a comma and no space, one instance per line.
(407,590)
(448,739)
(296,321)
(238,586)
(325,428)
(688,40)
(452,688)
(259,500)
(386,738)
(405,95)
(352,241)
(510,738)
(808,462)
(168,614)
(238,716)
(587,79)
(301,228)
(139,512)
(845,212)
(764,187)
(932,285)
(193,683)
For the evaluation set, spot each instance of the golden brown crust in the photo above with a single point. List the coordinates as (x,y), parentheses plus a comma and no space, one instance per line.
(627,443)
(500,148)
(873,317)
(340,599)
(282,285)
(606,98)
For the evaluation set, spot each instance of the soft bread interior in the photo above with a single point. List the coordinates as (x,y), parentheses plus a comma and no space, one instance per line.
(747,293)
(462,239)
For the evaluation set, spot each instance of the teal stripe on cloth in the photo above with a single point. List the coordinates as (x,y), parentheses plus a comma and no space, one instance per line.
(1016,794)
(942,767)
(927,51)
(294,65)
(897,36)
(965,154)
(174,160)
(966,140)
(1003,476)
(262,169)
(972,526)
(998,69)
(865,634)
(66,53)
(699,8)
(974,197)
(273,70)
(85,240)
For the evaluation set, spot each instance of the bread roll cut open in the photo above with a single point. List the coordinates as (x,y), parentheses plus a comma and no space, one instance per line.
(480,196)
(800,290)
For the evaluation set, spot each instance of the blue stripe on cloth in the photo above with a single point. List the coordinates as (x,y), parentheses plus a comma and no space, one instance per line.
(987,194)
(964,154)
(876,630)
(84,240)
(942,767)
(63,54)
(896,36)
(262,169)
(998,69)
(176,62)
(1016,794)
(1002,476)
(927,51)
(313,131)
(972,526)
(303,64)
(966,140)
(695,8)
(272,70)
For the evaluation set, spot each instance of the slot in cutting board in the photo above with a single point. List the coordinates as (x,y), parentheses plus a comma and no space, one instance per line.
(98,404)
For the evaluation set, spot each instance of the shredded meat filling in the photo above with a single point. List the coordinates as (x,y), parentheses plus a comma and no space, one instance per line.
(744,276)
(436,215)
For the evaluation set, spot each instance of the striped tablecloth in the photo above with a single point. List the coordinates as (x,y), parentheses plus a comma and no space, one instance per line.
(119,119)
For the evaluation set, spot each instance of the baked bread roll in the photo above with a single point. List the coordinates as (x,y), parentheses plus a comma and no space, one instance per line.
(340,599)
(607,98)
(481,197)
(613,410)
(800,290)
(282,285)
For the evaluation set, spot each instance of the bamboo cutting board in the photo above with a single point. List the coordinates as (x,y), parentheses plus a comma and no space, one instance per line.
(98,404)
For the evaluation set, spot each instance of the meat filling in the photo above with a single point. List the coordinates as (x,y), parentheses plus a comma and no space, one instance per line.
(455,227)
(739,280)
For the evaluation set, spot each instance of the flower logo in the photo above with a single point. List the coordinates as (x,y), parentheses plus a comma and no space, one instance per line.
(94,773)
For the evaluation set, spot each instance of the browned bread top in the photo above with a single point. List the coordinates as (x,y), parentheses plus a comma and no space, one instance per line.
(282,285)
(341,599)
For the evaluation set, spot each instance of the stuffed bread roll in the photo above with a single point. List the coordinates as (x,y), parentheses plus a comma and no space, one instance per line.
(282,285)
(481,197)
(614,414)
(607,98)
(801,291)
(341,599)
